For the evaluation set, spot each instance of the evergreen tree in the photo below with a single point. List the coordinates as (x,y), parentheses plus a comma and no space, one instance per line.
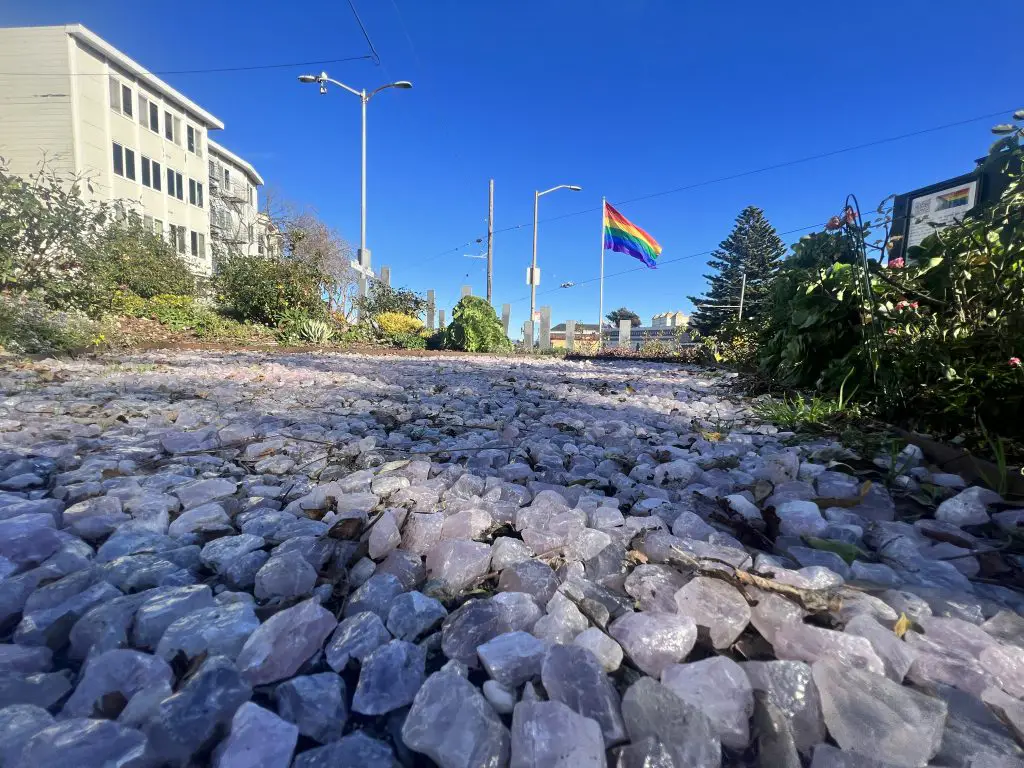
(752,248)
(624,314)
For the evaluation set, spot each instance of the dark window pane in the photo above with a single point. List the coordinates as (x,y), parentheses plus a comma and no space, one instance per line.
(126,100)
(199,194)
(168,126)
(154,117)
(192,191)
(129,164)
(195,244)
(170,182)
(145,172)
(156,176)
(177,183)
(118,160)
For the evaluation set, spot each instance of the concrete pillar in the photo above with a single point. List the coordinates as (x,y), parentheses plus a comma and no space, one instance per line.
(625,326)
(466,291)
(506,313)
(570,331)
(440,320)
(385,276)
(430,310)
(362,286)
(544,340)
(528,335)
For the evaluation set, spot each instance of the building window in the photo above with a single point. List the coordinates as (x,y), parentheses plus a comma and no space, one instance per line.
(174,184)
(177,131)
(168,126)
(178,238)
(198,244)
(195,193)
(146,179)
(250,193)
(154,117)
(147,223)
(199,190)
(120,97)
(126,100)
(158,228)
(190,134)
(129,164)
(156,175)
(118,159)
(227,179)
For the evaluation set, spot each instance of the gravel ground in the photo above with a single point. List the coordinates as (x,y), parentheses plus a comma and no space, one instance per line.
(255,559)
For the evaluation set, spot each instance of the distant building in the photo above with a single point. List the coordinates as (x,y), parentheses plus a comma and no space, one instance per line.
(585,332)
(670,320)
(234,218)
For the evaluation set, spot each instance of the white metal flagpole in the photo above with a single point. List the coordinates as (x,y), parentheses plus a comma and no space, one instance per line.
(600,313)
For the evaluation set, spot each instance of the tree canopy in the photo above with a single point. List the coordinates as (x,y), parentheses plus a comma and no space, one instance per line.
(624,314)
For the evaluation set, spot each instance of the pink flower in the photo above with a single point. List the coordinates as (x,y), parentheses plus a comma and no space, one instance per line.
(891,331)
(897,263)
(1015,362)
(834,223)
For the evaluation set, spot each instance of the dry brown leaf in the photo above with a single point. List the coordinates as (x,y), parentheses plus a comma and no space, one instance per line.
(865,488)
(636,556)
(902,625)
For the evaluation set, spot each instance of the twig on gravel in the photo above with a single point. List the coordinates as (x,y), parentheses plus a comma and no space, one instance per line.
(814,600)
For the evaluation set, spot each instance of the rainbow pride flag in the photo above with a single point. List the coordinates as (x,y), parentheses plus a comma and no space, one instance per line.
(622,235)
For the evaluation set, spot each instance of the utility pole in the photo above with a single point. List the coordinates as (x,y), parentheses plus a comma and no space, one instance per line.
(490,238)
(743,292)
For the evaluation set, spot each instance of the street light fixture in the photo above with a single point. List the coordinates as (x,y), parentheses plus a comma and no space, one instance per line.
(536,207)
(364,98)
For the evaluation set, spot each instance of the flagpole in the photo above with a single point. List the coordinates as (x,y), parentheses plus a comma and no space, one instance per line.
(600,313)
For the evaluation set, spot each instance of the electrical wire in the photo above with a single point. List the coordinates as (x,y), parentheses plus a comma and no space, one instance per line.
(196,71)
(752,172)
(366,35)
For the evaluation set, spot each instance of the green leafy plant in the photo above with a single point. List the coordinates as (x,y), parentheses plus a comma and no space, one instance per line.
(382,299)
(476,328)
(316,332)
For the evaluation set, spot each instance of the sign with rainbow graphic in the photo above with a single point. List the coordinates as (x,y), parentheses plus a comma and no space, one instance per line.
(938,210)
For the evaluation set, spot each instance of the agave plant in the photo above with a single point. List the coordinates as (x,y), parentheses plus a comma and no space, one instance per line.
(316,332)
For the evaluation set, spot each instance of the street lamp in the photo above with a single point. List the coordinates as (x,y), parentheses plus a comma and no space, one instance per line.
(364,97)
(536,206)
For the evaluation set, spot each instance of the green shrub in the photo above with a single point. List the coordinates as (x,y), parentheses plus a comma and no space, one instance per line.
(144,263)
(434,340)
(382,300)
(289,326)
(260,289)
(476,328)
(409,340)
(29,326)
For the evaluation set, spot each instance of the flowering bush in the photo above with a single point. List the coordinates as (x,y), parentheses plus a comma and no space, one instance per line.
(260,289)
(396,324)
(934,339)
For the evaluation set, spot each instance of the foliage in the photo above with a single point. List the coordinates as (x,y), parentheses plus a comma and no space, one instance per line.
(289,326)
(814,411)
(933,340)
(316,331)
(752,249)
(382,299)
(688,354)
(261,288)
(136,260)
(476,328)
(49,240)
(309,239)
(624,314)
(410,340)
(434,340)
(181,313)
(656,348)
(734,345)
(395,324)
(29,326)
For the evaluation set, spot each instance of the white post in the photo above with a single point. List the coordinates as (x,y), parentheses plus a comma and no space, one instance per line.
(743,292)
(533,273)
(362,197)
(600,311)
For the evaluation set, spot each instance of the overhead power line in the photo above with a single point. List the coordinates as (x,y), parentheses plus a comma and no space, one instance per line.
(751,172)
(199,71)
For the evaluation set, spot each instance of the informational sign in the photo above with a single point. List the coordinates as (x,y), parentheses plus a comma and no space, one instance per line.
(533,276)
(937,210)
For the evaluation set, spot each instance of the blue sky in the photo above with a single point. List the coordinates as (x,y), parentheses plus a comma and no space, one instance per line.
(623,98)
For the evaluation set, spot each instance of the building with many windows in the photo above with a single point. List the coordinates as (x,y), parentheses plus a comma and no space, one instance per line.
(70,99)
(235,221)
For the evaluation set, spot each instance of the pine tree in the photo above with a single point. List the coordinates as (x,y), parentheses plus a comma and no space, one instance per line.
(752,248)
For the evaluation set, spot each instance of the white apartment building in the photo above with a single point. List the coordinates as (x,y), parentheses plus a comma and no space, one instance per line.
(73,100)
(235,220)
(670,320)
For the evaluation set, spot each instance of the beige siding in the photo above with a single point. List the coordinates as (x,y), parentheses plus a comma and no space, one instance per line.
(35,100)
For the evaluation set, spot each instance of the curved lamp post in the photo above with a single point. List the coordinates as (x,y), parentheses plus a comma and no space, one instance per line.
(536,206)
(364,97)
